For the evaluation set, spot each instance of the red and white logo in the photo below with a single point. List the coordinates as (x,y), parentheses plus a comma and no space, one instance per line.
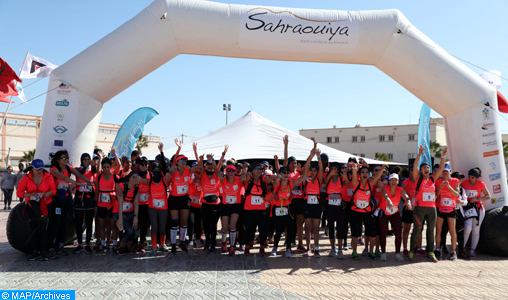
(497,189)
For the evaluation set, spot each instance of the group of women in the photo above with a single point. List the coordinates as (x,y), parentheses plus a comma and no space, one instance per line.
(129,197)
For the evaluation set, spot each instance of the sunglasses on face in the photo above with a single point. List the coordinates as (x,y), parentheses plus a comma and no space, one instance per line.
(143,164)
(64,157)
(377,170)
(284,173)
(230,170)
(184,160)
(259,169)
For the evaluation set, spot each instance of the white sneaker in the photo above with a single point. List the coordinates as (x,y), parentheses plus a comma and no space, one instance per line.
(274,251)
(288,253)
(472,253)
(399,257)
(345,248)
(383,256)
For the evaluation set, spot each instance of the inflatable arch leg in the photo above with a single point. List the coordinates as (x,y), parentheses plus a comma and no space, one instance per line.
(384,39)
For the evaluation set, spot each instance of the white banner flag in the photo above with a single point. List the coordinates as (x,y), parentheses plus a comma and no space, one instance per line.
(21,92)
(35,67)
(494,78)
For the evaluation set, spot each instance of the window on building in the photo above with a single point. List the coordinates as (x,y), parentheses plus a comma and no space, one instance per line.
(412,137)
(390,138)
(107,131)
(328,139)
(362,139)
(411,155)
(362,155)
(390,156)
(355,139)
(336,139)
(381,138)
(100,131)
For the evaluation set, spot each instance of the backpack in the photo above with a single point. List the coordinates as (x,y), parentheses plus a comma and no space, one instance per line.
(370,190)
(251,184)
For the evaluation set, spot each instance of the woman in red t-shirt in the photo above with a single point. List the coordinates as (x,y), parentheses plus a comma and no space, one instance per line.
(474,213)
(126,211)
(231,206)
(105,197)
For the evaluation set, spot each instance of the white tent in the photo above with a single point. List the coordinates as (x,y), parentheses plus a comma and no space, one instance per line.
(255,137)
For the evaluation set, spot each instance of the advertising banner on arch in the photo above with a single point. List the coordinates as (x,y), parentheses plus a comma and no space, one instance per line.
(131,129)
(299,30)
(424,135)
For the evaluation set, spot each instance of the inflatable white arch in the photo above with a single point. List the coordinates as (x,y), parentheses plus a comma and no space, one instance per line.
(384,39)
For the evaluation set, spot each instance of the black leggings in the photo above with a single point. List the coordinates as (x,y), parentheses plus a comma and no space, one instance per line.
(347,220)
(270,225)
(459,228)
(281,223)
(58,221)
(194,224)
(88,216)
(38,226)
(210,214)
(253,219)
(335,217)
(143,223)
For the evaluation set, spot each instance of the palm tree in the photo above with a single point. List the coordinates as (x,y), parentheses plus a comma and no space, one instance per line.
(435,148)
(141,143)
(505,149)
(381,156)
(29,155)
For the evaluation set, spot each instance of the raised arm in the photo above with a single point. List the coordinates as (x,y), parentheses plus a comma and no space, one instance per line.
(376,177)
(117,160)
(276,159)
(179,145)
(223,155)
(201,165)
(306,167)
(354,169)
(286,142)
(415,164)
(441,165)
(320,164)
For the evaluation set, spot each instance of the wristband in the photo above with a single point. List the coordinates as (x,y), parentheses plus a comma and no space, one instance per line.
(135,215)
(223,153)
(319,158)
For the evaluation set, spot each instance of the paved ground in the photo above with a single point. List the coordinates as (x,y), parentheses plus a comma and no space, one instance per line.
(203,276)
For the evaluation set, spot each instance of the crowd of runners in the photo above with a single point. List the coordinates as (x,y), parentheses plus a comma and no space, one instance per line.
(131,197)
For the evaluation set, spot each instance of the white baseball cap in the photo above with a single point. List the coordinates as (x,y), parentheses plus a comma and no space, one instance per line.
(393,175)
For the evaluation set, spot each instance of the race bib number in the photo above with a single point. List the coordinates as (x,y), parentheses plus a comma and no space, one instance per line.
(159,203)
(144,197)
(350,192)
(127,206)
(63,186)
(472,193)
(312,200)
(471,213)
(429,197)
(195,200)
(182,189)
(391,210)
(85,189)
(281,211)
(105,198)
(335,199)
(256,200)
(297,192)
(37,198)
(446,202)
(362,204)
(230,199)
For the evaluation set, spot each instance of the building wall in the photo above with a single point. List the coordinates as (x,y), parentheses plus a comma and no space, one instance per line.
(399,148)
(20,133)
(505,139)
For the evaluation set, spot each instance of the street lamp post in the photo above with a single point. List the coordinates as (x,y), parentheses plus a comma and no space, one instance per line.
(226,108)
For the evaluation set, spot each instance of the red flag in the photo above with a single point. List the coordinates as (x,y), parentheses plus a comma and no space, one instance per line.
(7,84)
(502,103)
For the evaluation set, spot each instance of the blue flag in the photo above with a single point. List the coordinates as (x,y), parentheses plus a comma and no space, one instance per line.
(131,129)
(424,135)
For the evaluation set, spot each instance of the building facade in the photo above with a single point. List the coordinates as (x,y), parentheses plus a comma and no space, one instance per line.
(20,133)
(398,142)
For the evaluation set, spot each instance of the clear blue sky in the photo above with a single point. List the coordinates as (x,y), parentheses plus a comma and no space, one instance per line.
(189,91)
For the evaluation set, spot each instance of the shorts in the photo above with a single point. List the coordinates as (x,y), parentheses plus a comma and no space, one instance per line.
(444,215)
(407,216)
(179,202)
(357,218)
(228,209)
(312,211)
(298,205)
(104,212)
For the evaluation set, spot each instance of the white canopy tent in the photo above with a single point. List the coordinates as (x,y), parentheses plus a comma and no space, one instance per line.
(255,137)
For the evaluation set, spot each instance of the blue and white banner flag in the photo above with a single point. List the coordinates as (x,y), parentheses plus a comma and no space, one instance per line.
(424,135)
(131,129)
(21,92)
